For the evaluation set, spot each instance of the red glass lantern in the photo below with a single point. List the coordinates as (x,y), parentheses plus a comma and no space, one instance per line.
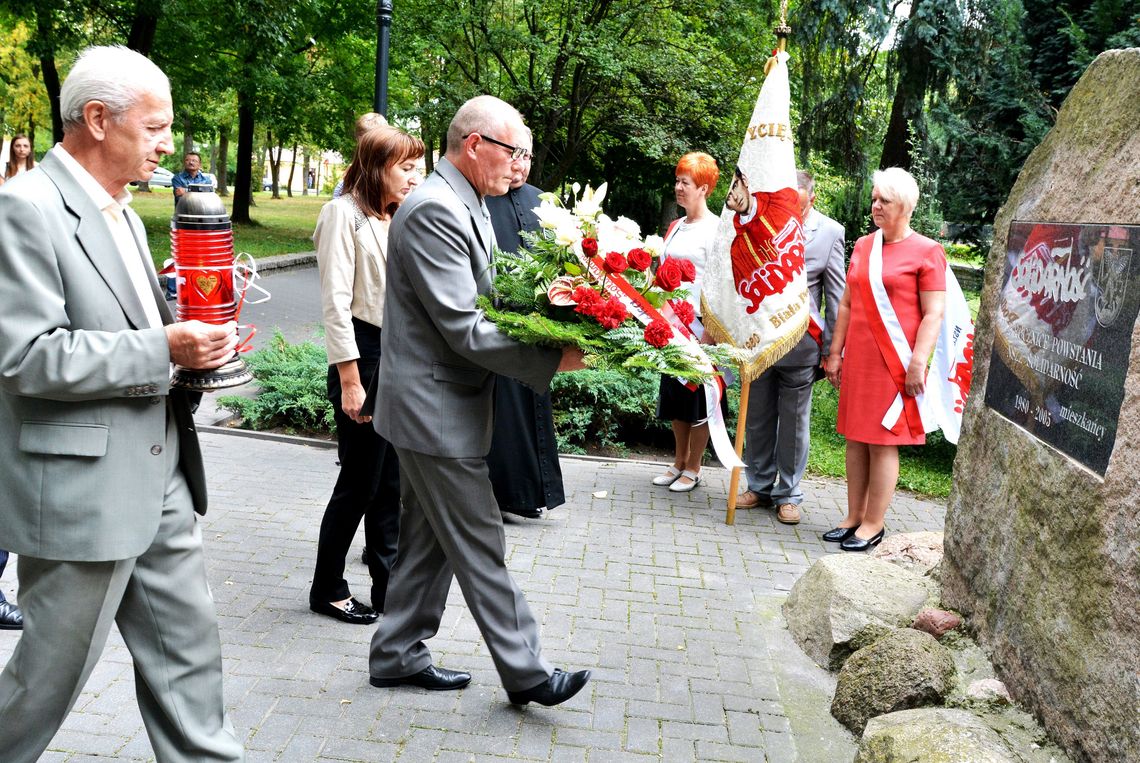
(211,284)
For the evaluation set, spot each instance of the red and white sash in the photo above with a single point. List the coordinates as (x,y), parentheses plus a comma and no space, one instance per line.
(640,308)
(948,380)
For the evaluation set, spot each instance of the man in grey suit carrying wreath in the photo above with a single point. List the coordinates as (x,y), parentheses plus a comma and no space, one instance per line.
(434,404)
(778,429)
(99,459)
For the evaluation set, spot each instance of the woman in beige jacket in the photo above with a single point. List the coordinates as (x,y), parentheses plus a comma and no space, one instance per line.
(352,243)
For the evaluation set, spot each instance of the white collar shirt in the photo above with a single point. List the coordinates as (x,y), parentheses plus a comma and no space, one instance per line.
(114,209)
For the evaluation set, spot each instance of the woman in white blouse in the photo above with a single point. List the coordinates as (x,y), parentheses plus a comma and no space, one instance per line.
(352,249)
(689,238)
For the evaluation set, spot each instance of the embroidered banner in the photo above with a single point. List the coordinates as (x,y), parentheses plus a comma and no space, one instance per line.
(754,293)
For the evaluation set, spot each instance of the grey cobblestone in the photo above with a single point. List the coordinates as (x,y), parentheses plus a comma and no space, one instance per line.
(676,612)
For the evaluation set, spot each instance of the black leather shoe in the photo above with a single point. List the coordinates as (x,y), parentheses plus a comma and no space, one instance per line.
(527,513)
(839,534)
(430,678)
(855,543)
(11,618)
(354,612)
(553,691)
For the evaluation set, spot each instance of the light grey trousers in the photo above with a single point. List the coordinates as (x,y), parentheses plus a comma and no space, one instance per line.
(162,605)
(450,525)
(778,432)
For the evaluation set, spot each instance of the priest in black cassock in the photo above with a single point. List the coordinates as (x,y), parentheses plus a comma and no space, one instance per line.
(523,460)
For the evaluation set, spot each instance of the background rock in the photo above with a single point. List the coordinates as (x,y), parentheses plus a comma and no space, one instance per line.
(918,552)
(931,735)
(904,669)
(988,690)
(1041,554)
(846,601)
(936,622)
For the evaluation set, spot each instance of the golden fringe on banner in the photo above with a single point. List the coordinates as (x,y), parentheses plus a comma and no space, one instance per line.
(716,331)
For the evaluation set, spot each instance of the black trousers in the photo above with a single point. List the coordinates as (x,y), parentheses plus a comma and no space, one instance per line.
(368,487)
(3,564)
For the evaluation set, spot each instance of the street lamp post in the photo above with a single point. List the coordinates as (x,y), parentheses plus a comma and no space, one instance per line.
(383,31)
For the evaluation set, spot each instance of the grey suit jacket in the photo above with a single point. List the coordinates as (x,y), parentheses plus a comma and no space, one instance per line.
(83,387)
(435,388)
(826,277)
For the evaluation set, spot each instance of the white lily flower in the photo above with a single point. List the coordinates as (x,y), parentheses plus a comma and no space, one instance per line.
(552,217)
(655,245)
(567,233)
(628,227)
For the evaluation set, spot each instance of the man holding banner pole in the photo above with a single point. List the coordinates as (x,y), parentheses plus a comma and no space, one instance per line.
(779,417)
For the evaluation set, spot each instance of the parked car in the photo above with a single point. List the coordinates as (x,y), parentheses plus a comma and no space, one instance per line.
(162,178)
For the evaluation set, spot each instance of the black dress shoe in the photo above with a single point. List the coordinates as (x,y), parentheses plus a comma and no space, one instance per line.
(839,534)
(11,618)
(553,691)
(430,678)
(527,513)
(354,612)
(855,543)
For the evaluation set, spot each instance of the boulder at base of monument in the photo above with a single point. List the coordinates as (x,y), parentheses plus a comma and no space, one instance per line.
(918,552)
(846,601)
(931,735)
(904,669)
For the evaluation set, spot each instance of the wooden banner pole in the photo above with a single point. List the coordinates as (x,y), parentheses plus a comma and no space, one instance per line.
(741,419)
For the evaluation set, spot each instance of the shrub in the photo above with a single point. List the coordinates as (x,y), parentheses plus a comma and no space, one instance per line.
(292,392)
(605,408)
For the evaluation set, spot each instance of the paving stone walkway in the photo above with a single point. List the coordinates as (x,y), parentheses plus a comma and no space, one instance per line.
(677,614)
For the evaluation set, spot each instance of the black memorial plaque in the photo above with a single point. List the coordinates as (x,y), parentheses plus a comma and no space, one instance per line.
(1063,334)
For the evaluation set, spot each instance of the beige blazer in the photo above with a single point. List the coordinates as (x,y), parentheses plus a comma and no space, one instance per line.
(351,257)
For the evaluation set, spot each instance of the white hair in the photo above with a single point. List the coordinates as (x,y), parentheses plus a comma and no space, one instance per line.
(896,184)
(113,74)
(483,113)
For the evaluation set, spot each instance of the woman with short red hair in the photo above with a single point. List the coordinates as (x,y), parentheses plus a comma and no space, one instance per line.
(689,239)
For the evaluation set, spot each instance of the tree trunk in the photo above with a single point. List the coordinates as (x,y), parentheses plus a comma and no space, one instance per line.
(274,164)
(305,189)
(292,169)
(143,26)
(223,159)
(187,137)
(51,84)
(905,125)
(243,188)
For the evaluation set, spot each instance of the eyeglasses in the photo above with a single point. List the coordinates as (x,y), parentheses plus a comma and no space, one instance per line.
(518,153)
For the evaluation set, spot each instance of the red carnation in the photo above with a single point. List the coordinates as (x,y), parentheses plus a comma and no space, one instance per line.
(668,274)
(615,262)
(684,311)
(589,301)
(639,259)
(658,332)
(612,313)
(590,247)
(688,271)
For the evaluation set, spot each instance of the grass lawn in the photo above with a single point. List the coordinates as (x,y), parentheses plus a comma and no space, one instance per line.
(281,226)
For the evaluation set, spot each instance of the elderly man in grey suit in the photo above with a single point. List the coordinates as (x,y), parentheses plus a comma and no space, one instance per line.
(99,460)
(435,406)
(778,428)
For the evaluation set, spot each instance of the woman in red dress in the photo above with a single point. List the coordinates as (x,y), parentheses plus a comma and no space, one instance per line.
(868,370)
